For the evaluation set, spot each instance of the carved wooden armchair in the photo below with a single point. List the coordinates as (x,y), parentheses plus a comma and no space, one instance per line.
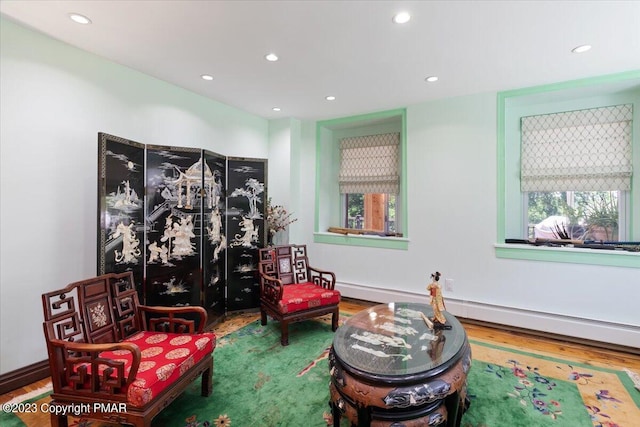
(291,290)
(106,351)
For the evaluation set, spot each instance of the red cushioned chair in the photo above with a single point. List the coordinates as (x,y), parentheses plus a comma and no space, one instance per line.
(116,360)
(291,290)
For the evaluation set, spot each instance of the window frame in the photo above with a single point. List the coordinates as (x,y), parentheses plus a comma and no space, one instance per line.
(510,208)
(329,203)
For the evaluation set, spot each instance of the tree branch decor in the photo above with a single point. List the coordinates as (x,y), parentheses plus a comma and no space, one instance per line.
(278,219)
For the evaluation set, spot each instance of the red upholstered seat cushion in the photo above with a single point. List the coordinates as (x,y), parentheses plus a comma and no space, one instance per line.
(301,296)
(165,357)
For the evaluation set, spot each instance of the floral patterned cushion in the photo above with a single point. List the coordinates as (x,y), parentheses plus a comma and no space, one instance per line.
(165,357)
(301,296)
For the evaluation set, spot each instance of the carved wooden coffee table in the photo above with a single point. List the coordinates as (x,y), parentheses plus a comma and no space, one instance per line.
(389,369)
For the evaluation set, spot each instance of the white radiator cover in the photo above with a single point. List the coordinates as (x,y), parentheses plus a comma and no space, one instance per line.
(590,329)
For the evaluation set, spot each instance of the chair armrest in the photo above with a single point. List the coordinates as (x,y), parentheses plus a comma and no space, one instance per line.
(78,363)
(173,319)
(271,289)
(323,278)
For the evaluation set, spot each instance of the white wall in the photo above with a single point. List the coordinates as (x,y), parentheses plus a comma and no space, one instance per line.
(283,171)
(452,228)
(54,101)
(279,168)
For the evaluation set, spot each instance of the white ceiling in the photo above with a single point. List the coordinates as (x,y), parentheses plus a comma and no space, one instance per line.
(349,49)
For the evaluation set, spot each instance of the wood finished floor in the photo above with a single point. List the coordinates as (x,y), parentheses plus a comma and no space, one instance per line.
(589,355)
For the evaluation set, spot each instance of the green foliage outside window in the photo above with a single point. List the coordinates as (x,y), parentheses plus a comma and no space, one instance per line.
(355,210)
(592,215)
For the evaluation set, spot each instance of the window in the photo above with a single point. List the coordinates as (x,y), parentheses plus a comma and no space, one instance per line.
(608,197)
(575,173)
(576,215)
(371,211)
(361,180)
(369,179)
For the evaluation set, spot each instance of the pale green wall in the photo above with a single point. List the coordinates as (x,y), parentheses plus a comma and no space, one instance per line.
(54,99)
(452,206)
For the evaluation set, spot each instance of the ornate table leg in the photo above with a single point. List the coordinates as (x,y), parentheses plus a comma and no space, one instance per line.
(364,416)
(335,413)
(454,415)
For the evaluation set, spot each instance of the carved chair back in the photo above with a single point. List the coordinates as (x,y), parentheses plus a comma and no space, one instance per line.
(288,263)
(125,300)
(97,310)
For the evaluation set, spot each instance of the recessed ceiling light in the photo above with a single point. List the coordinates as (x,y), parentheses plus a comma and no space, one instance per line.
(276,108)
(432,79)
(330,98)
(581,49)
(206,77)
(401,18)
(271,57)
(80,19)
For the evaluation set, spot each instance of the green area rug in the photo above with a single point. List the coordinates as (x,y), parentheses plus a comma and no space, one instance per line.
(257,382)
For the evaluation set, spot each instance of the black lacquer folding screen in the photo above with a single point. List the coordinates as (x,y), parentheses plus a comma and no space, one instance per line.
(174,226)
(215,235)
(246,203)
(186,221)
(121,206)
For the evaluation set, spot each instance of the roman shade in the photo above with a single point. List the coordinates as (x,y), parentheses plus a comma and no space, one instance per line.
(584,150)
(370,164)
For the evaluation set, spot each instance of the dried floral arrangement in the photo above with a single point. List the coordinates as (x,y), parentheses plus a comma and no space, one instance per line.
(278,218)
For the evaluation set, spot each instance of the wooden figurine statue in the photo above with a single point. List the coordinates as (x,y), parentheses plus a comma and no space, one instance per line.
(437,303)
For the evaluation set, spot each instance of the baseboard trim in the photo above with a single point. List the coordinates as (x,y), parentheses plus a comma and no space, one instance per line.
(569,327)
(24,376)
(553,336)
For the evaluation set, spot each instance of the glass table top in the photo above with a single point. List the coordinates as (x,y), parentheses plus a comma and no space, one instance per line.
(393,340)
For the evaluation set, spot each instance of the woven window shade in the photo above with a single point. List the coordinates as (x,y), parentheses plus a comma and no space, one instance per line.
(585,150)
(370,164)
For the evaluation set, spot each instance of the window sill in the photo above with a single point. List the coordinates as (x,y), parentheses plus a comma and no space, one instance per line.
(613,258)
(384,242)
